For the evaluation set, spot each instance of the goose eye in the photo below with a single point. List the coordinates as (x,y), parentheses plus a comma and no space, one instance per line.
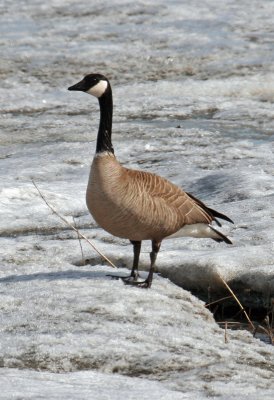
(91,80)
(94,81)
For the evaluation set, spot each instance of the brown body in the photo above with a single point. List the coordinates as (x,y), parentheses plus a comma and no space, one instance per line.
(138,205)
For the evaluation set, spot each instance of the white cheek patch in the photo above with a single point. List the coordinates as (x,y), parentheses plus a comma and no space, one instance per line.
(99,89)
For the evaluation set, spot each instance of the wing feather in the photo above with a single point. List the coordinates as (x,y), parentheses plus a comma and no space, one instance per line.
(172,205)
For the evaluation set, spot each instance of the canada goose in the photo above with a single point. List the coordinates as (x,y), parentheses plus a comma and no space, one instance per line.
(138,205)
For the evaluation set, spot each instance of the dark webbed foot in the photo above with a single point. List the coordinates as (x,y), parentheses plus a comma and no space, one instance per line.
(141,284)
(134,273)
(133,278)
(124,278)
(130,278)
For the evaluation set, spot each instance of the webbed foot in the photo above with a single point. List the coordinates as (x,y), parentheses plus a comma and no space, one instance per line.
(127,279)
(141,284)
(132,280)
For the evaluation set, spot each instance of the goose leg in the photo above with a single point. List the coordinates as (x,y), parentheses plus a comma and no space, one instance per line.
(133,277)
(136,254)
(153,255)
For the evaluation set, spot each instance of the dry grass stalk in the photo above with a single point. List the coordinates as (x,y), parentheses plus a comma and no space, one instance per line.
(238,301)
(72,227)
(238,324)
(269,329)
(268,333)
(218,301)
(80,243)
(258,328)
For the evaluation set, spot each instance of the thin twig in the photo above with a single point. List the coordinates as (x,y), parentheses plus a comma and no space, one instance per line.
(218,301)
(238,301)
(80,243)
(71,226)
(231,323)
(269,329)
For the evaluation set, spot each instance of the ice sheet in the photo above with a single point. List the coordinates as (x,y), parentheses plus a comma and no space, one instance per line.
(193,95)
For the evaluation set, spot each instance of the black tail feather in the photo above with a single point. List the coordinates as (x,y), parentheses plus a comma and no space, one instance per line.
(217,214)
(223,238)
(213,213)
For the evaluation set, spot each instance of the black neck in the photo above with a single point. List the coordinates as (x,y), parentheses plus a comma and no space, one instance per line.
(104,133)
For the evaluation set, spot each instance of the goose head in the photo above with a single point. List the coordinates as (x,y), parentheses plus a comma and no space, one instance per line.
(94,84)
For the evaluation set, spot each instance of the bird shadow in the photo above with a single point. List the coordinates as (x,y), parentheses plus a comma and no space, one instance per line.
(55,276)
